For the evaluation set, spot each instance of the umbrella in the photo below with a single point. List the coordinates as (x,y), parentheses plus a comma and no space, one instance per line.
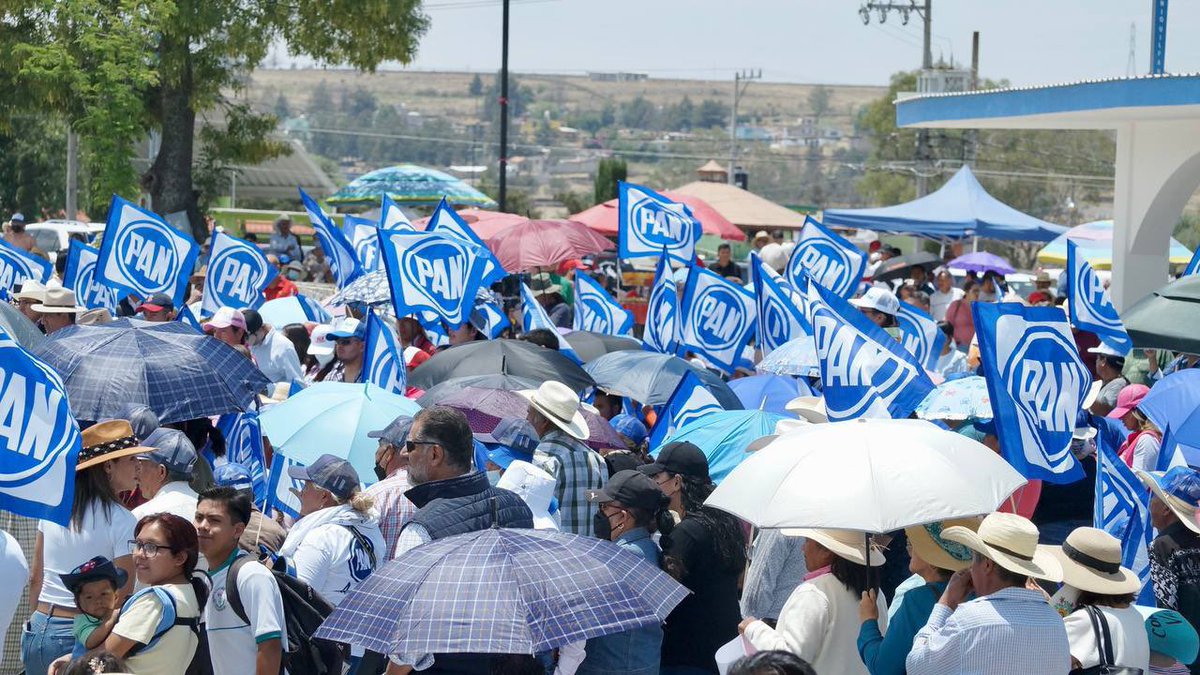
(1167,319)
(484,408)
(500,357)
(295,309)
(589,345)
(650,378)
(178,373)
(409,185)
(768,392)
(16,324)
(334,418)
(723,436)
(982,261)
(1095,243)
(486,224)
(794,357)
(371,289)
(898,267)
(542,243)
(1172,401)
(502,591)
(605,218)
(454,385)
(962,399)
(867,475)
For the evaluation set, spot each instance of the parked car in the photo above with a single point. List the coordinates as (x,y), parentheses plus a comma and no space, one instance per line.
(54,236)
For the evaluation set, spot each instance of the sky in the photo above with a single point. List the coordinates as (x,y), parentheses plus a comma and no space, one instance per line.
(807,41)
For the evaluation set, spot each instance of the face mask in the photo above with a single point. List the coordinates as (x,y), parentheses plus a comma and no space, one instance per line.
(293,275)
(379,472)
(601,526)
(493,477)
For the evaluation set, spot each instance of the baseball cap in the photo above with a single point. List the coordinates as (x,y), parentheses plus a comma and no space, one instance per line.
(234,475)
(681,458)
(1170,633)
(254,320)
(631,488)
(320,344)
(224,318)
(157,303)
(630,427)
(396,432)
(1129,398)
(170,448)
(17,218)
(329,473)
(879,300)
(415,356)
(512,439)
(347,327)
(1106,349)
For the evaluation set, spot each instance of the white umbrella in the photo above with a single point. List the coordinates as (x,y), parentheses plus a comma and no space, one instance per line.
(866,475)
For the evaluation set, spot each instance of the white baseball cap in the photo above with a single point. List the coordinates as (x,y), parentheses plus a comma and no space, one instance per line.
(879,300)
(1107,350)
(319,343)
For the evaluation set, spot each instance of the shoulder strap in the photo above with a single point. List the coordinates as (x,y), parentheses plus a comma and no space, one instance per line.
(1103,637)
(232,595)
(170,615)
(363,542)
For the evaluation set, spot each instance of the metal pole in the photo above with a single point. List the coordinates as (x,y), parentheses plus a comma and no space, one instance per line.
(504,109)
(71,203)
(923,134)
(737,77)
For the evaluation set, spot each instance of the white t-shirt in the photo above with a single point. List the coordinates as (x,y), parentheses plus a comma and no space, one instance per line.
(232,642)
(175,648)
(177,498)
(14,570)
(332,562)
(277,359)
(1131,644)
(64,548)
(939,302)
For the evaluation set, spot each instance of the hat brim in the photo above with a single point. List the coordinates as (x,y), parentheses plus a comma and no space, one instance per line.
(1083,433)
(839,548)
(152,308)
(652,469)
(1078,575)
(71,580)
(931,552)
(811,408)
(116,454)
(1093,393)
(1177,506)
(298,472)
(576,427)
(1118,413)
(598,496)
(1043,565)
(58,309)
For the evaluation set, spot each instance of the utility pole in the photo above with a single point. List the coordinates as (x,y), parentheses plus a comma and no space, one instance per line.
(503,192)
(72,199)
(1131,64)
(972,135)
(741,80)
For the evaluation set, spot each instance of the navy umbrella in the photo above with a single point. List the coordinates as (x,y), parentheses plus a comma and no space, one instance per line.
(650,378)
(177,372)
(500,357)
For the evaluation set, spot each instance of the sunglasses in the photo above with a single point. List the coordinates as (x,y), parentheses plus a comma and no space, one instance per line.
(411,446)
(342,342)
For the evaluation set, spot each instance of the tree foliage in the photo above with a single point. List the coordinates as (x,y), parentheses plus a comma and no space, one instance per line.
(609,173)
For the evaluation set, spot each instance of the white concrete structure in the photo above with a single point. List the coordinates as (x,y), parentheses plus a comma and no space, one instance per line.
(1157,124)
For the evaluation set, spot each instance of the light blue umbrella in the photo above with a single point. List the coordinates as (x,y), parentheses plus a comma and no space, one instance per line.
(768,392)
(334,418)
(965,398)
(296,309)
(794,357)
(723,436)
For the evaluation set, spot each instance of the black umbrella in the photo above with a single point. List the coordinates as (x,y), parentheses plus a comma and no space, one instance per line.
(452,387)
(898,267)
(1167,318)
(589,345)
(500,357)
(650,378)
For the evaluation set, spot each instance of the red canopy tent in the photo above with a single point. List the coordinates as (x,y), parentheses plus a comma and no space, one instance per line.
(603,218)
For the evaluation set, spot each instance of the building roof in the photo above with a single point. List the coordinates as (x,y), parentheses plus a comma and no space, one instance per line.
(744,209)
(711,167)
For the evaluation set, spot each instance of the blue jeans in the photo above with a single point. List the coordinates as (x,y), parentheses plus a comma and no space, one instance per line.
(44,639)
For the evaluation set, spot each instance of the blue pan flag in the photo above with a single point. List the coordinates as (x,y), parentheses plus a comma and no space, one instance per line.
(649,223)
(80,276)
(1090,305)
(280,486)
(17,266)
(488,316)
(864,371)
(1037,384)
(446,221)
(435,272)
(691,400)
(597,311)
(244,445)
(920,335)
(780,309)
(338,251)
(392,218)
(1122,509)
(364,241)
(827,258)
(41,440)
(238,273)
(662,311)
(718,319)
(534,317)
(383,359)
(185,316)
(142,254)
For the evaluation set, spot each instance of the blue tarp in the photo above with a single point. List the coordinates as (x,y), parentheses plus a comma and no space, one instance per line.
(961,208)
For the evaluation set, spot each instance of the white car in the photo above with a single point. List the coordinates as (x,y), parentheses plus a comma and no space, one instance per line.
(54,236)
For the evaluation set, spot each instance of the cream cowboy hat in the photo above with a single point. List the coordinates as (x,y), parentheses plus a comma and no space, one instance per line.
(59,301)
(1011,542)
(1091,561)
(781,427)
(32,289)
(811,408)
(845,544)
(559,404)
(929,545)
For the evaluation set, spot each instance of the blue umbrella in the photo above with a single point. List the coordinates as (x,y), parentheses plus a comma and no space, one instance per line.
(650,378)
(178,373)
(295,309)
(723,436)
(334,418)
(502,591)
(965,398)
(768,392)
(1170,402)
(794,357)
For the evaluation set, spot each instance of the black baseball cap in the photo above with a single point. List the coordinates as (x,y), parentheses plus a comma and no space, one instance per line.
(681,458)
(631,488)
(254,320)
(157,303)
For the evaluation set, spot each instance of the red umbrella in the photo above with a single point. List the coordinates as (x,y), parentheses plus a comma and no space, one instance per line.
(486,224)
(603,218)
(542,243)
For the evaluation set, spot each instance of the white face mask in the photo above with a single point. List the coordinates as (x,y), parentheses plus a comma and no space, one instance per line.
(323,359)
(493,477)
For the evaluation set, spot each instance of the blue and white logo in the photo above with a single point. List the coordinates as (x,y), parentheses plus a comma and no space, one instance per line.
(690,401)
(1090,306)
(597,311)
(488,316)
(238,273)
(361,233)
(144,255)
(338,251)
(39,438)
(282,489)
(649,223)
(383,359)
(184,315)
(244,445)
(864,371)
(662,312)
(718,319)
(534,317)
(80,276)
(392,218)
(781,313)
(432,271)
(1037,384)
(827,258)
(1122,509)
(920,335)
(445,221)
(361,556)
(16,266)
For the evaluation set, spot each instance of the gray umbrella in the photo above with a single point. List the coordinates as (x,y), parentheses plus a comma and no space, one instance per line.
(500,357)
(1167,318)
(16,324)
(651,378)
(589,345)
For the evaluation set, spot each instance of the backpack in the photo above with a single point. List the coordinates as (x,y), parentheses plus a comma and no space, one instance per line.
(201,663)
(303,612)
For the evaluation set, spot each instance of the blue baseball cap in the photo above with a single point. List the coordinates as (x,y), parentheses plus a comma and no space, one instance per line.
(395,433)
(141,418)
(1170,633)
(329,473)
(233,475)
(514,433)
(1179,489)
(630,427)
(171,448)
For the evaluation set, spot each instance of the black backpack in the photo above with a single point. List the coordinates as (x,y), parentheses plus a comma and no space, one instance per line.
(303,612)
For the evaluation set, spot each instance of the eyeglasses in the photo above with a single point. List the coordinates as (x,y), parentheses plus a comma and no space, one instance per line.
(147,548)
(342,342)
(410,446)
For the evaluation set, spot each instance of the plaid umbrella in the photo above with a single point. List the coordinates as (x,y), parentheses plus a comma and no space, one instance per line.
(179,373)
(484,408)
(794,357)
(16,324)
(410,185)
(502,591)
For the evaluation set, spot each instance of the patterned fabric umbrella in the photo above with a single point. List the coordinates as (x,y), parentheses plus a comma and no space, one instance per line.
(794,357)
(965,398)
(371,289)
(484,408)
(178,373)
(543,243)
(502,591)
(410,185)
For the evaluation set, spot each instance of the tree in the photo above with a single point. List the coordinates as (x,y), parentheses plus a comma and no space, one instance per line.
(638,113)
(282,109)
(819,101)
(573,202)
(476,88)
(710,113)
(608,173)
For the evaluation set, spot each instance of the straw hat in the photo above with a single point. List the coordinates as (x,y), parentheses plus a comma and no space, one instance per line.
(781,427)
(811,408)
(107,441)
(929,545)
(59,301)
(845,544)
(1011,542)
(559,404)
(1179,489)
(95,317)
(32,289)
(1091,561)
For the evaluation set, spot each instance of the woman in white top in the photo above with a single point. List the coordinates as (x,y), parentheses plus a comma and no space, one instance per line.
(99,526)
(819,623)
(1092,572)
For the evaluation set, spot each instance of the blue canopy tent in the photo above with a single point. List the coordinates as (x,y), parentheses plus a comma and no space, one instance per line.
(961,208)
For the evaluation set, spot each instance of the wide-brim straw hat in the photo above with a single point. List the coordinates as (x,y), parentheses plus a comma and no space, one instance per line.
(1091,561)
(1182,510)
(1011,542)
(781,427)
(106,441)
(929,545)
(59,301)
(560,404)
(811,408)
(32,289)
(845,544)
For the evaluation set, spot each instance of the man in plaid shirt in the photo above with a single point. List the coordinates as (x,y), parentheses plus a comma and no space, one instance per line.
(554,415)
(391,467)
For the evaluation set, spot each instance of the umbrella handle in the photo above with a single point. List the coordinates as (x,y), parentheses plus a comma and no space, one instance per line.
(872,572)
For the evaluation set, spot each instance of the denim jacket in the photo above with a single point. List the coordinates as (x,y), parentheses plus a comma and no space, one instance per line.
(634,652)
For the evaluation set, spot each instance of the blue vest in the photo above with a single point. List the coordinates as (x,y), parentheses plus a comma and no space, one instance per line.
(465,504)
